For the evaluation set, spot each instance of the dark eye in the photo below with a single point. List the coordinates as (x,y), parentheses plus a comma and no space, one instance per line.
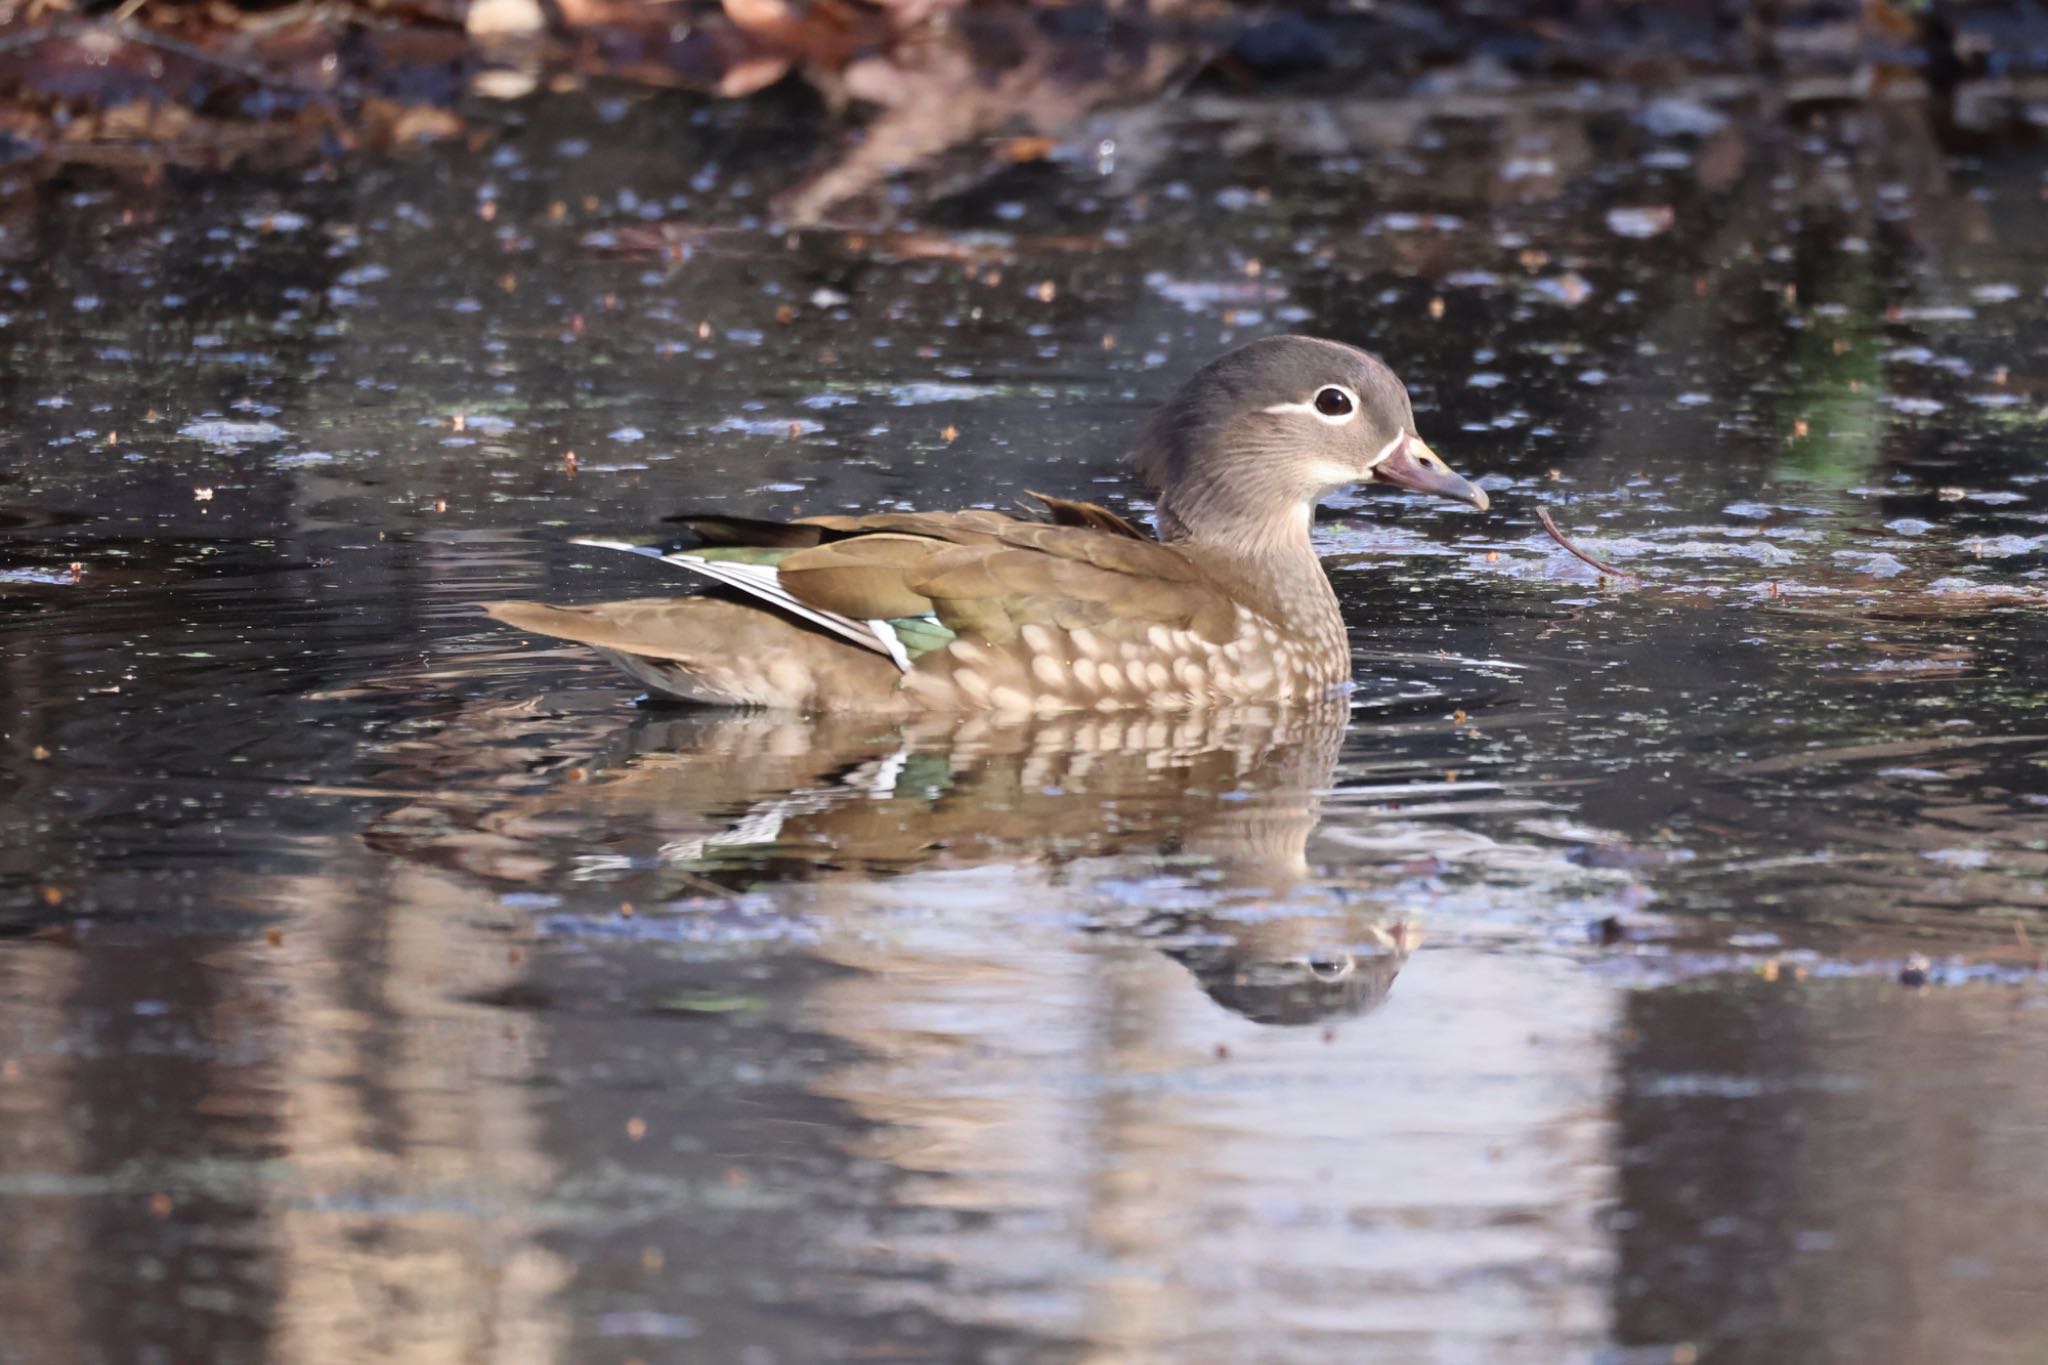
(1333,402)
(1330,966)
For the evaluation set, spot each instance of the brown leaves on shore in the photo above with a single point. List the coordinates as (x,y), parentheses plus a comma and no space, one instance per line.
(203,83)
(220,84)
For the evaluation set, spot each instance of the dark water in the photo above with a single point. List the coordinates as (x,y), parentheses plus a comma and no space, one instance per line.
(379,985)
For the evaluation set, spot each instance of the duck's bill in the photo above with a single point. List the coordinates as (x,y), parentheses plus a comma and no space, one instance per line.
(1414,465)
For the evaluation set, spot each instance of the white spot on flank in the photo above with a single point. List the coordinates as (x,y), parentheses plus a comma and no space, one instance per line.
(935,688)
(1010,699)
(791,679)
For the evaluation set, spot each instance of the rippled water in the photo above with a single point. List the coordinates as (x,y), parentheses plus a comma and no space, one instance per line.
(381,985)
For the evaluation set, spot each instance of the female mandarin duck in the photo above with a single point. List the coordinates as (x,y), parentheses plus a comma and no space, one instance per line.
(982,611)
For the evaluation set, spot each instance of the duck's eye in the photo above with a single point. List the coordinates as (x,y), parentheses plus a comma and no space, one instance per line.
(1333,402)
(1330,966)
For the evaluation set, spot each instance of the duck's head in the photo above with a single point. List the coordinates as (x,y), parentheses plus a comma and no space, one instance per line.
(1249,445)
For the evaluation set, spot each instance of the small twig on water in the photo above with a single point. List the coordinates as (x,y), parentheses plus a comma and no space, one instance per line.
(1543,515)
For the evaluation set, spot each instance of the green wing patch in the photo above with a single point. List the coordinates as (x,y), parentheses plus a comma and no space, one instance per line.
(920,635)
(742,554)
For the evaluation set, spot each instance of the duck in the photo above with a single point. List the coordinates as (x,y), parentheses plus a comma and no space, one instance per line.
(1070,607)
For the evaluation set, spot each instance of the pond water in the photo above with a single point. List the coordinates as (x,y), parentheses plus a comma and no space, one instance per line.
(1631,971)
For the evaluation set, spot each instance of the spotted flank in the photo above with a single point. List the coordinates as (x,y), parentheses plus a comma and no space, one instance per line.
(1047,671)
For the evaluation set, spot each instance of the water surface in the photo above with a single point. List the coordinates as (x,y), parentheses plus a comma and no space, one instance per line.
(381,985)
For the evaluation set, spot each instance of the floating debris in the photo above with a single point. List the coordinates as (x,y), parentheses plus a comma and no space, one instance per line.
(229,434)
(1550,527)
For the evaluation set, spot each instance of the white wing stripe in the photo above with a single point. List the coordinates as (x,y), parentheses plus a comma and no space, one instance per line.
(764,582)
(891,644)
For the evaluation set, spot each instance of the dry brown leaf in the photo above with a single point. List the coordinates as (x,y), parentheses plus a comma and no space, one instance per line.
(397,124)
(1022,149)
(139,121)
(750,74)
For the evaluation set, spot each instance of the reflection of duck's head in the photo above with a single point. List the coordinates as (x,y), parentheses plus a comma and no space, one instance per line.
(1300,969)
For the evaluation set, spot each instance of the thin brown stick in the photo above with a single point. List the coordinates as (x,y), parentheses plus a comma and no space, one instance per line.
(1543,515)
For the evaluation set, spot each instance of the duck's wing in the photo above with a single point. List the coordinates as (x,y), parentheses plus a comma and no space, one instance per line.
(985,577)
(996,597)
(721,531)
(755,572)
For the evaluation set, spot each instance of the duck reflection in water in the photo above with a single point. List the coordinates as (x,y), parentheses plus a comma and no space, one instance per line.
(1190,831)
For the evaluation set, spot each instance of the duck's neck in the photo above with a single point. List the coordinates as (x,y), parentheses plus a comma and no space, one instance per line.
(1269,564)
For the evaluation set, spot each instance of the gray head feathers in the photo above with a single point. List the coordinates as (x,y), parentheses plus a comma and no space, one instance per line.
(1255,437)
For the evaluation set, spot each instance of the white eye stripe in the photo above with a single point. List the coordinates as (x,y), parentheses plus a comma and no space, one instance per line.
(1310,409)
(1306,409)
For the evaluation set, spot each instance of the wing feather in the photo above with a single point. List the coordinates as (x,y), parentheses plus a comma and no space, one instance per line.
(764,581)
(900,583)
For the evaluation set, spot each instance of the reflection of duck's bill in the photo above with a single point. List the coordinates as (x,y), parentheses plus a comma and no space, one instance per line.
(1402,936)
